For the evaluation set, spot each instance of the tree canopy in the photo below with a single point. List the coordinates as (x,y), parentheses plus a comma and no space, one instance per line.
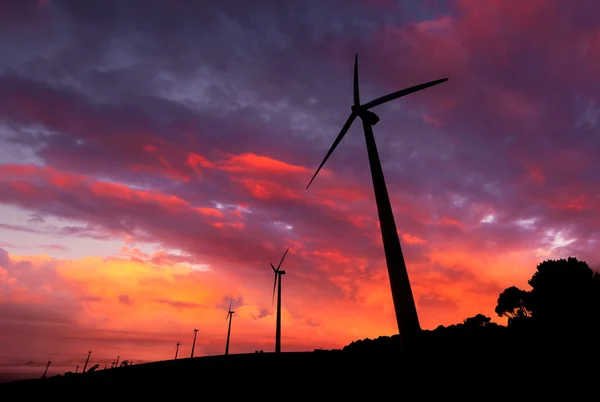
(562,304)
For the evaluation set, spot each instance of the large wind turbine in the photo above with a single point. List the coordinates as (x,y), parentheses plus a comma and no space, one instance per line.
(404,303)
(230,314)
(278,272)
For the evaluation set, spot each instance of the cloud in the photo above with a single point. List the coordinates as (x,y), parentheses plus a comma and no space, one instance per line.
(160,160)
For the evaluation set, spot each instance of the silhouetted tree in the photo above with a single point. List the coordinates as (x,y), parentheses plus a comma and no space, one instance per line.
(515,304)
(562,306)
(563,293)
(478,321)
(565,298)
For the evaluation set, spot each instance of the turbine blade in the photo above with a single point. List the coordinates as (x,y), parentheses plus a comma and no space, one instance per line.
(401,93)
(227,316)
(335,144)
(274,270)
(230,301)
(356,93)
(280,262)
(274,286)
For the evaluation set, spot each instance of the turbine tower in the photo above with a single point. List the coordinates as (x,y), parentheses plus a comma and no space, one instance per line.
(404,304)
(277,284)
(86,361)
(230,314)
(177,349)
(194,344)
(46,371)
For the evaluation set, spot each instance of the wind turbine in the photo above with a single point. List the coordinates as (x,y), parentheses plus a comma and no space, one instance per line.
(277,284)
(404,303)
(86,361)
(194,344)
(46,371)
(230,314)
(177,349)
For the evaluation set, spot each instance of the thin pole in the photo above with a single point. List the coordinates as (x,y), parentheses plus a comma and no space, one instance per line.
(77,369)
(86,361)
(117,362)
(228,335)
(404,303)
(176,350)
(46,371)
(194,344)
(278,328)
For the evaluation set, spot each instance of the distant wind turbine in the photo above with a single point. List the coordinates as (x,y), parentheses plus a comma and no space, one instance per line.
(404,304)
(46,371)
(86,361)
(177,349)
(77,369)
(230,314)
(117,361)
(194,344)
(277,284)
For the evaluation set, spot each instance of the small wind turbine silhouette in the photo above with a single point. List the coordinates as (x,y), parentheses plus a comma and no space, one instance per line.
(277,284)
(177,349)
(47,365)
(194,344)
(230,314)
(404,303)
(86,361)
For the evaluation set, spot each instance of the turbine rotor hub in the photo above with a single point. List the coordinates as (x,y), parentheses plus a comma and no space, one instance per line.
(366,115)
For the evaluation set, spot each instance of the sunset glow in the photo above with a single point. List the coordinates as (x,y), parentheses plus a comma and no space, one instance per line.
(153,164)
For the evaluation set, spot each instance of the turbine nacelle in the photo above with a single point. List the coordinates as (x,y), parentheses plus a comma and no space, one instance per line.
(230,312)
(362,110)
(366,115)
(278,272)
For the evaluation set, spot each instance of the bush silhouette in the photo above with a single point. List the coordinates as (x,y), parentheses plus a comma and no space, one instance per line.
(561,311)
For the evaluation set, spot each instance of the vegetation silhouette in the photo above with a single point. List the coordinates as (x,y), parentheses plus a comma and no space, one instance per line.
(404,303)
(560,313)
(93,368)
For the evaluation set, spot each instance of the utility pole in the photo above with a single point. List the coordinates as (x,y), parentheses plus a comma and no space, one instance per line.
(46,371)
(194,344)
(86,362)
(177,349)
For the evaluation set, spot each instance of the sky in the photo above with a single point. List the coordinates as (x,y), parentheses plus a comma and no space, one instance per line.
(154,159)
